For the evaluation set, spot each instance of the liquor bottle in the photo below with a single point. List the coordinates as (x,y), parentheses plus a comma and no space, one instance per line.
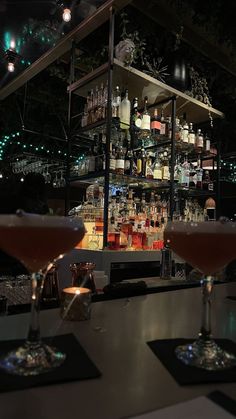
(129,157)
(120,160)
(143,156)
(146,120)
(191,135)
(168,127)
(163,128)
(199,175)
(112,158)
(165,167)
(155,124)
(207,144)
(116,101)
(207,183)
(199,141)
(192,176)
(125,112)
(149,172)
(135,116)
(157,169)
(177,170)
(185,173)
(178,129)
(185,132)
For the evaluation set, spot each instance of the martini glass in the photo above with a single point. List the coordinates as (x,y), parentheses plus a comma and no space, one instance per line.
(208,246)
(36,241)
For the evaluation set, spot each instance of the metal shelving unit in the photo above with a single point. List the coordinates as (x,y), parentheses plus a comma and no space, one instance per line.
(139,85)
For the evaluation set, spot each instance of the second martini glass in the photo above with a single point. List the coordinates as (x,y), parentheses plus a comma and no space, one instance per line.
(208,246)
(36,241)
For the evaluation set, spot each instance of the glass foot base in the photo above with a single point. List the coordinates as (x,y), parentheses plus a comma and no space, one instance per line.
(32,359)
(205,354)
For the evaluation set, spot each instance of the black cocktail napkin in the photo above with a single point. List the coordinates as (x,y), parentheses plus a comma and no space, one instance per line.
(77,365)
(184,374)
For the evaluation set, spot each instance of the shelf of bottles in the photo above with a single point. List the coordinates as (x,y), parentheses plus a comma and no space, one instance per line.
(140,163)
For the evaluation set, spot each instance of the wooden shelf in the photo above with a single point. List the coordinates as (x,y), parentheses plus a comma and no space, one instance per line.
(140,84)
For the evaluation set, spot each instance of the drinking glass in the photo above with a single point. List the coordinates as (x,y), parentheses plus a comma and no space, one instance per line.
(207,246)
(36,241)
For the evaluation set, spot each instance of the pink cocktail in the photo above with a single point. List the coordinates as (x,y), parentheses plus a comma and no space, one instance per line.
(36,241)
(208,246)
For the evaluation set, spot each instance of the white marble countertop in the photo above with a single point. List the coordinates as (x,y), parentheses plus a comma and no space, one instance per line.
(133,380)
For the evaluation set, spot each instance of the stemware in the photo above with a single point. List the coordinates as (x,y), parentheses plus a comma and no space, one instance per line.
(36,241)
(208,246)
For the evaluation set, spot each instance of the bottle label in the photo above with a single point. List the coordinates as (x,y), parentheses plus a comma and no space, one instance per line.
(185,136)
(163,129)
(138,122)
(120,164)
(157,174)
(191,138)
(127,164)
(208,145)
(200,142)
(112,164)
(165,173)
(146,121)
(139,166)
(156,125)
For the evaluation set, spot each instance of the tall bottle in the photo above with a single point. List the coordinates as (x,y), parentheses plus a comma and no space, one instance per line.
(165,167)
(163,128)
(125,108)
(149,171)
(146,120)
(116,101)
(199,144)
(129,157)
(185,173)
(199,175)
(120,160)
(155,124)
(157,168)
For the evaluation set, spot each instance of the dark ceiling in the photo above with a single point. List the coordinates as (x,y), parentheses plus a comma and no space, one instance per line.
(36,26)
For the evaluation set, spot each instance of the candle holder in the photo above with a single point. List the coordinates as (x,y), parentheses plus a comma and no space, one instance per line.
(76,303)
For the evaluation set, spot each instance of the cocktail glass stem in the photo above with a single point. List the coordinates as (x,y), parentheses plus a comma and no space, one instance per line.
(207,286)
(37,281)
(34,356)
(205,352)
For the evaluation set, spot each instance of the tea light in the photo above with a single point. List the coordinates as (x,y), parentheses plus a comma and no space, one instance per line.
(76,303)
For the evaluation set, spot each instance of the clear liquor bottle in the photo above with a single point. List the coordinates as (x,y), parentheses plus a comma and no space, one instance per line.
(199,144)
(165,167)
(146,120)
(157,168)
(125,108)
(149,172)
(120,160)
(191,136)
(116,101)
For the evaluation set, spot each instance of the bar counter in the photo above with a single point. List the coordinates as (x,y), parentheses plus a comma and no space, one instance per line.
(133,379)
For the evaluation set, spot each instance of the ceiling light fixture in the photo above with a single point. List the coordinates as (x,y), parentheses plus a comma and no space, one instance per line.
(66,16)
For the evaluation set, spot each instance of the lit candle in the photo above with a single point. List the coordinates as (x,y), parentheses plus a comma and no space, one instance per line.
(76,303)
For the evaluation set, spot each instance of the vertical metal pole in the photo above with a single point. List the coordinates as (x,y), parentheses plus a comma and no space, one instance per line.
(109,122)
(172,163)
(67,177)
(218,189)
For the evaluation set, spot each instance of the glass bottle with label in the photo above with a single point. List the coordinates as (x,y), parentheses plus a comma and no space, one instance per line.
(144,161)
(112,158)
(120,160)
(163,127)
(199,141)
(146,120)
(185,132)
(191,136)
(185,173)
(199,174)
(178,170)
(207,145)
(155,124)
(125,109)
(129,157)
(149,172)
(116,101)
(165,167)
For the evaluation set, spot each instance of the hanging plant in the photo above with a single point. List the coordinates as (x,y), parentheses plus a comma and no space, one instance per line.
(199,89)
